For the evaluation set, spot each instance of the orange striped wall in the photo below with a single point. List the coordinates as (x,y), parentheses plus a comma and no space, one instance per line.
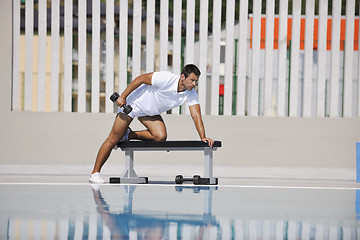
(302,33)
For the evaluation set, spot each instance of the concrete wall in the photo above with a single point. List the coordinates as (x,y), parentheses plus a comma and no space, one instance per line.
(27,137)
(75,138)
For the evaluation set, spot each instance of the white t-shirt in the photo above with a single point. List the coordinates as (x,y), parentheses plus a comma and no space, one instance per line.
(160,96)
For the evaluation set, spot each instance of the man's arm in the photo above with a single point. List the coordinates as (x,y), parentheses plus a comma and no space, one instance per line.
(195,113)
(142,79)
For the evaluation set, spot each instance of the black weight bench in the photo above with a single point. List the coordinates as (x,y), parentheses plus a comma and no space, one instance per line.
(130,176)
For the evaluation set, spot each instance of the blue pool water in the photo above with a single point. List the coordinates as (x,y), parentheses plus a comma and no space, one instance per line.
(51,211)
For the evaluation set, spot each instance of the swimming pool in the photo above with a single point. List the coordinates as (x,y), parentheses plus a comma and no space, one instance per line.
(167,211)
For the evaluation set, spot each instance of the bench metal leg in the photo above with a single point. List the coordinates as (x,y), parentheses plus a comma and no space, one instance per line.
(208,164)
(129,175)
(129,165)
(208,167)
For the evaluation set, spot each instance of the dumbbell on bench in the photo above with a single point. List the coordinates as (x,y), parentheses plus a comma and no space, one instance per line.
(179,179)
(127,108)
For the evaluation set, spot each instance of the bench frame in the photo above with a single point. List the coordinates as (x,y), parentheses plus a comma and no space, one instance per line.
(129,175)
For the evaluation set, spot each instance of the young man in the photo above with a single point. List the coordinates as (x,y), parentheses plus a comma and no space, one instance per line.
(149,95)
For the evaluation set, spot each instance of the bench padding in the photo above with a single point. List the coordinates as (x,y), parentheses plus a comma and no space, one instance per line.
(166,144)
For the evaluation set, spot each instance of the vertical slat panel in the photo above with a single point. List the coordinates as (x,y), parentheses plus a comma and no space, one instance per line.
(173,230)
(12,229)
(177,42)
(79,228)
(279,231)
(203,35)
(109,106)
(177,37)
(308,58)
(42,55)
(283,19)
(255,68)
(295,46)
(348,66)
(254,229)
(150,34)
(215,58)
(24,228)
(334,230)
(37,228)
(229,57)
(242,58)
(123,45)
(269,46)
(16,55)
(239,226)
(63,229)
(82,57)
(335,58)
(319,227)
(55,39)
(29,32)
(321,74)
(92,227)
(51,229)
(190,30)
(95,86)
(164,25)
(136,50)
(68,55)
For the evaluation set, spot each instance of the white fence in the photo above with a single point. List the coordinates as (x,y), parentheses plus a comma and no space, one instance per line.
(79,54)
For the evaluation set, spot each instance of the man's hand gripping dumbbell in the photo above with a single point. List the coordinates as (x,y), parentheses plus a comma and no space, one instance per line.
(127,108)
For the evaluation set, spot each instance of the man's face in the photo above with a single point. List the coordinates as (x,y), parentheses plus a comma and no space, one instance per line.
(191,81)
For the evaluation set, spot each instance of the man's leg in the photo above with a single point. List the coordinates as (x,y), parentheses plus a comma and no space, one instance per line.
(156,129)
(121,124)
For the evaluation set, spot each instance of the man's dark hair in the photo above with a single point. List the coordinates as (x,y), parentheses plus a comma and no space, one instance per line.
(190,68)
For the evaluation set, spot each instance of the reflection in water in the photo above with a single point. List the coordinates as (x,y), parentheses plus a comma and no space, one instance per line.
(151,226)
(186,212)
